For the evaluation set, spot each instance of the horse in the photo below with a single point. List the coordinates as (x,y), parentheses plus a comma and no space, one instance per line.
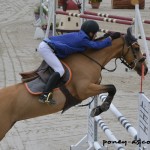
(16,103)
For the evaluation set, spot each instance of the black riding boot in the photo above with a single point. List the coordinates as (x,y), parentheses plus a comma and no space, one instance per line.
(51,84)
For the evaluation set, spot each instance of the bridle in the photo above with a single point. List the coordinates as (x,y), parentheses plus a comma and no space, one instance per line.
(131,65)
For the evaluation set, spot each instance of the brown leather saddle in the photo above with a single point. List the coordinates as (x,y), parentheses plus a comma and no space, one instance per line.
(36,80)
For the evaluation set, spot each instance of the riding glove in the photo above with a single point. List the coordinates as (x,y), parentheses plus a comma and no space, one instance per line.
(115,35)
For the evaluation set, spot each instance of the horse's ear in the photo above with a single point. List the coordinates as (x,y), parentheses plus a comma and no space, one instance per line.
(130,38)
(129,32)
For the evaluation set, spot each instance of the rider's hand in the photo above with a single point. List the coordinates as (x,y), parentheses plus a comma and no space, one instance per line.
(115,35)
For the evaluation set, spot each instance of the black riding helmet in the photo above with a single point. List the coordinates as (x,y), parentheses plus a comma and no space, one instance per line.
(90,26)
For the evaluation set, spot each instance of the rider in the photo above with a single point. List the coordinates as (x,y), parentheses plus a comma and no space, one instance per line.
(55,47)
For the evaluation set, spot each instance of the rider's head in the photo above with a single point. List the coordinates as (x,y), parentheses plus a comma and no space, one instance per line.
(90,27)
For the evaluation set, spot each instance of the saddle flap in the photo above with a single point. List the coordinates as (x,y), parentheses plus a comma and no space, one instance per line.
(37,85)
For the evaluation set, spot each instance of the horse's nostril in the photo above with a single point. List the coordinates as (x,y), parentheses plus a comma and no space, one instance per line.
(144,54)
(142,59)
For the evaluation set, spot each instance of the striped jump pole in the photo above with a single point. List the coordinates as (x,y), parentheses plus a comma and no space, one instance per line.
(106,31)
(114,16)
(108,133)
(95,18)
(100,19)
(123,121)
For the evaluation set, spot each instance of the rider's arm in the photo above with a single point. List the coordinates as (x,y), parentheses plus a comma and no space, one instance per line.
(97,44)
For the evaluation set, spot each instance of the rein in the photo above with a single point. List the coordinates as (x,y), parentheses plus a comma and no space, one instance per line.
(102,67)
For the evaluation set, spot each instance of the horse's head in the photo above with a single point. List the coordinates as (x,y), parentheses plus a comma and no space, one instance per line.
(132,54)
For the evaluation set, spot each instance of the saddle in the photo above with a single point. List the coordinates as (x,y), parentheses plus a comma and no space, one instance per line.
(36,80)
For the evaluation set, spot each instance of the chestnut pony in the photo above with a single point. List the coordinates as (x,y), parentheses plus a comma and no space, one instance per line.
(16,103)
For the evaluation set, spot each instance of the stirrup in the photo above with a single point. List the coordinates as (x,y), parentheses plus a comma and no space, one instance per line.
(49,99)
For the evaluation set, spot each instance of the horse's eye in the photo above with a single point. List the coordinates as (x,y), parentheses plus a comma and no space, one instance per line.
(137,49)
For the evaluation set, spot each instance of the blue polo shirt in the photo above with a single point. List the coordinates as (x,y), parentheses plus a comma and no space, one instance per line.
(74,42)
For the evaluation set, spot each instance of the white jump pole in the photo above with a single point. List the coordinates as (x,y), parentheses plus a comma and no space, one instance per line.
(108,133)
(50,17)
(82,10)
(123,121)
(54,16)
(139,24)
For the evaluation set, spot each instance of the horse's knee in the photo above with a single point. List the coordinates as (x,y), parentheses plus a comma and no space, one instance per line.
(111,90)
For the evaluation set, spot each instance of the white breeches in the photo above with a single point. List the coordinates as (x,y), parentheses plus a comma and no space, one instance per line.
(51,59)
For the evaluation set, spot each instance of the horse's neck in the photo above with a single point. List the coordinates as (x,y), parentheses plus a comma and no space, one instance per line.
(103,56)
(118,46)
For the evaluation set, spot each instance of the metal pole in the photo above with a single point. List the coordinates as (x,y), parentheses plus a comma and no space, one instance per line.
(142,34)
(50,11)
(41,12)
(82,10)
(136,25)
(54,17)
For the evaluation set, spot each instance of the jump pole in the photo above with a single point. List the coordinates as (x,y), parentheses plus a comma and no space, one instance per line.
(108,133)
(50,16)
(123,121)
(95,18)
(139,25)
(83,16)
(114,16)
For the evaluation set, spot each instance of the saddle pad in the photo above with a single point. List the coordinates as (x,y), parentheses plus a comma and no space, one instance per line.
(37,85)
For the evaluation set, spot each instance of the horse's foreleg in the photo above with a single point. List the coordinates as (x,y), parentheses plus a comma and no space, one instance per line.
(5,126)
(95,89)
(7,117)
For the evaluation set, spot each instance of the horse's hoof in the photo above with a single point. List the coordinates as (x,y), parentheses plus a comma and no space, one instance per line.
(96,111)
